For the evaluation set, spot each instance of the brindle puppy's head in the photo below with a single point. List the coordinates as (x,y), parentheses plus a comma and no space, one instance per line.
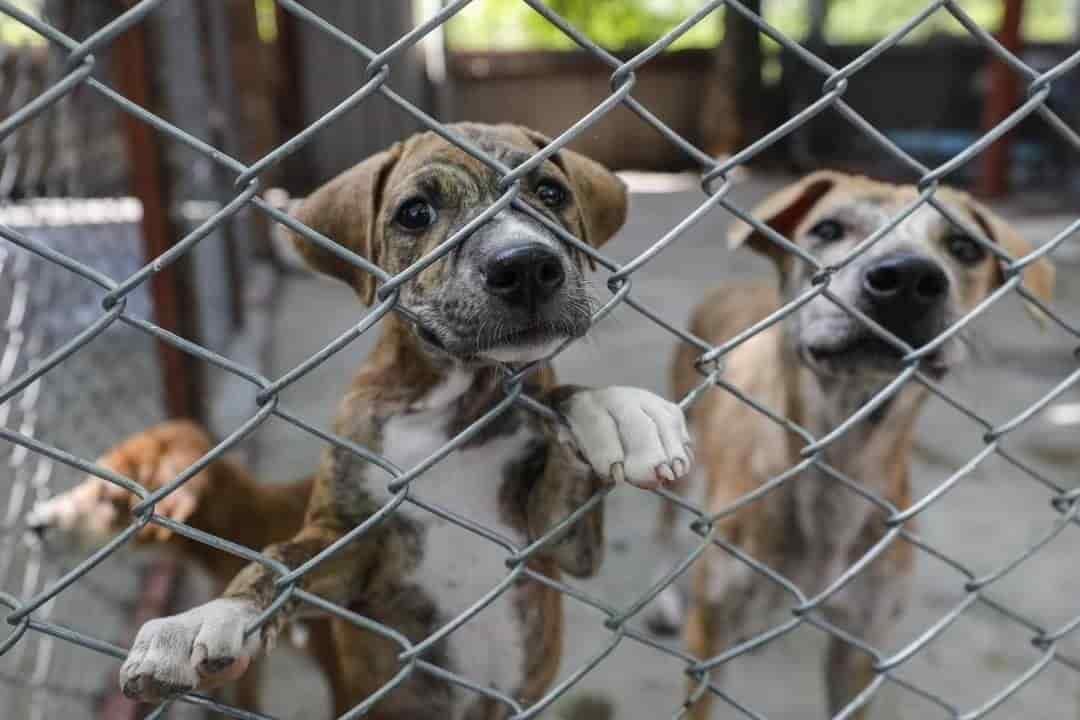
(914,282)
(513,290)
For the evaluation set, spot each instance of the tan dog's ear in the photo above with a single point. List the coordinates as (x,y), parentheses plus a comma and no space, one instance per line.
(1038,277)
(783,211)
(345,210)
(601,196)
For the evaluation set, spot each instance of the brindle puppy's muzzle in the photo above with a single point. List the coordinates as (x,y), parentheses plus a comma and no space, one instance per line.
(524,276)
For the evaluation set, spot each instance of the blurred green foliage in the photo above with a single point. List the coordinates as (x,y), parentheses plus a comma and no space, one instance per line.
(614,24)
(13,32)
(629,24)
(626,24)
(865,21)
(266,20)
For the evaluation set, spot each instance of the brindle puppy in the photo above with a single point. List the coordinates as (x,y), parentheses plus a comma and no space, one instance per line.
(510,294)
(817,368)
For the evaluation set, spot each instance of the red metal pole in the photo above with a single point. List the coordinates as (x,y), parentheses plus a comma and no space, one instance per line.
(1003,93)
(179,374)
(130,60)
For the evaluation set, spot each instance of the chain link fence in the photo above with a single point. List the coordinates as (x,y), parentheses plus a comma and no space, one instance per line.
(111,385)
(117,309)
(60,178)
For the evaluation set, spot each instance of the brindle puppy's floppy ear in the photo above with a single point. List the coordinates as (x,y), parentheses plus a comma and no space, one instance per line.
(601,195)
(1038,277)
(346,210)
(783,211)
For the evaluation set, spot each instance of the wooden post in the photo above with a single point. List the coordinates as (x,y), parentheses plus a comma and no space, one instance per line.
(1002,96)
(179,375)
(252,128)
(375,123)
(731,110)
(817,17)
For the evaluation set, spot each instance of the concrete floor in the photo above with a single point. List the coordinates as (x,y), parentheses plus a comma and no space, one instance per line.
(988,519)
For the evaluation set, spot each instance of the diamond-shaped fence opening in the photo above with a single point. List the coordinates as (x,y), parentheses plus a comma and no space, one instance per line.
(106,319)
(112,382)
(57,174)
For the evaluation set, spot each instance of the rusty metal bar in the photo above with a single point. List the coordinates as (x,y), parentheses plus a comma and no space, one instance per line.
(1003,93)
(170,296)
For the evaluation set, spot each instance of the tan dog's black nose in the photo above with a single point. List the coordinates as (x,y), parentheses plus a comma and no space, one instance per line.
(526,275)
(906,294)
(906,279)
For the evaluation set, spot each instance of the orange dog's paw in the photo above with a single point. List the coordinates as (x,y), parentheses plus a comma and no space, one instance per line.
(96,509)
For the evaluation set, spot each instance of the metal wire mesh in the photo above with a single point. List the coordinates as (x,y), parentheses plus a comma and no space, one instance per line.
(75,151)
(112,383)
(29,616)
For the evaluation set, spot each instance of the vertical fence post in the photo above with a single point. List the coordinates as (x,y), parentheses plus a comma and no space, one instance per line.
(730,114)
(179,374)
(1002,93)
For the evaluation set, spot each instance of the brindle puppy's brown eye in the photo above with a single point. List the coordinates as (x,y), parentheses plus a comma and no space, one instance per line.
(965,248)
(551,194)
(828,230)
(416,214)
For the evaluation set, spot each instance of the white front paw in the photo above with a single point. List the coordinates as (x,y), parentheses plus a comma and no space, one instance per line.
(630,434)
(196,650)
(84,513)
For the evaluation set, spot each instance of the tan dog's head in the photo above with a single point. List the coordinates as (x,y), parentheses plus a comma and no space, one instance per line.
(915,281)
(513,290)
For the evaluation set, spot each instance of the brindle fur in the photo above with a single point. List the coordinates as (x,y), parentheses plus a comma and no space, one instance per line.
(536,495)
(444,363)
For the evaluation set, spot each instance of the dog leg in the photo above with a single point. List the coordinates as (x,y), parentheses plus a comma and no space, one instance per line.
(205,647)
(610,435)
(848,672)
(868,609)
(704,639)
(321,648)
(666,615)
(704,635)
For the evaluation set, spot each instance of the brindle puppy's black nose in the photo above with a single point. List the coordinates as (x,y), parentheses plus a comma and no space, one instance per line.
(525,275)
(906,295)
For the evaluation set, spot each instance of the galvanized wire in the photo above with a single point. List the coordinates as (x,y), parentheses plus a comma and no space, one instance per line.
(28,611)
(111,385)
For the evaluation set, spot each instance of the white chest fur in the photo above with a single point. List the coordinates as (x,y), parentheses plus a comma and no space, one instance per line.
(458,567)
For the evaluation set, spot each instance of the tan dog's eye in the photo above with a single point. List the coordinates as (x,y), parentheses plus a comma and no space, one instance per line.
(828,230)
(415,214)
(551,194)
(965,248)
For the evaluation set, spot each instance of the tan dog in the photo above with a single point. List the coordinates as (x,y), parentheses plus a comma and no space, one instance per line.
(816,368)
(221,501)
(511,293)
